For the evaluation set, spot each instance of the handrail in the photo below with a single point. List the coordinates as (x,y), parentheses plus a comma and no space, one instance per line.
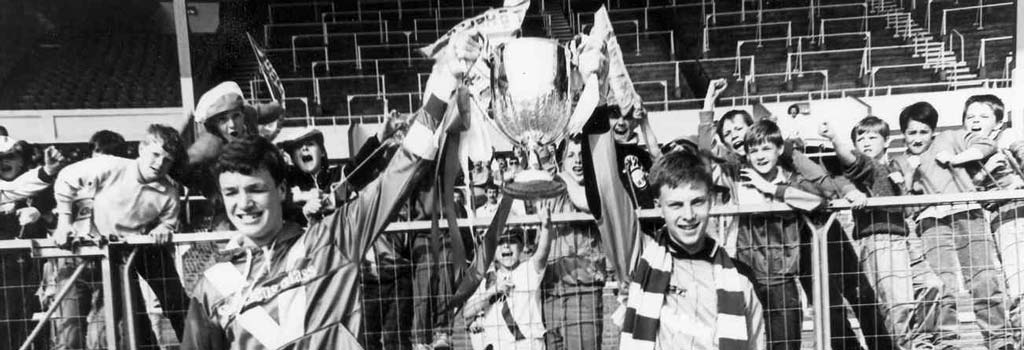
(865,60)
(759,25)
(401,11)
(295,55)
(644,10)
(671,38)
(823,72)
(379,80)
(824,21)
(270,7)
(735,101)
(739,44)
(384,98)
(441,27)
(946,12)
(949,41)
(796,8)
(923,65)
(664,89)
(636,24)
(981,50)
(678,63)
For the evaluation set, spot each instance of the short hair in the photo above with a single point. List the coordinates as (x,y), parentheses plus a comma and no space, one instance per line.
(921,112)
(870,124)
(108,142)
(172,144)
(989,100)
(764,131)
(732,115)
(676,169)
(3,131)
(248,155)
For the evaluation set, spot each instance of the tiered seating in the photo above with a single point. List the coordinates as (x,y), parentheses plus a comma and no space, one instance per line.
(102,71)
(359,62)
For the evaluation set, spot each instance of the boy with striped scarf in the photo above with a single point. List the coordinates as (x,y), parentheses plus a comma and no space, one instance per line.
(686,292)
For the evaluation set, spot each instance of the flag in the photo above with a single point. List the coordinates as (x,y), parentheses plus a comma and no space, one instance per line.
(621,92)
(496,23)
(267,71)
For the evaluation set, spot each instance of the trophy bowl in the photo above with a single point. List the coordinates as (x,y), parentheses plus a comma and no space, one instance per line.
(531,104)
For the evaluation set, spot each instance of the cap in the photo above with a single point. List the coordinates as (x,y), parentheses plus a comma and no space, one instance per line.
(221,98)
(9,145)
(290,137)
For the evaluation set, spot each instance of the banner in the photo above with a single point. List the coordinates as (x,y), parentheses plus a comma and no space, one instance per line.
(496,23)
(267,71)
(621,92)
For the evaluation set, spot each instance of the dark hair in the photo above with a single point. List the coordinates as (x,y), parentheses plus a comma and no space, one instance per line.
(678,168)
(732,115)
(989,100)
(249,154)
(764,131)
(921,112)
(108,142)
(795,105)
(870,124)
(3,131)
(172,144)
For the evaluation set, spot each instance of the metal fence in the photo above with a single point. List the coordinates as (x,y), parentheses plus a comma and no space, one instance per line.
(947,275)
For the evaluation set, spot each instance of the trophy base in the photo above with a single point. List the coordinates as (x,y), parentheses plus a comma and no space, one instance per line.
(534,185)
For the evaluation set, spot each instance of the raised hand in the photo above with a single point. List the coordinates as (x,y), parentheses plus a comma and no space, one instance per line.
(53,160)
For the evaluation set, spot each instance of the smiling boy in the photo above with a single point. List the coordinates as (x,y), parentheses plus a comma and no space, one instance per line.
(505,311)
(281,287)
(955,236)
(905,284)
(686,292)
(984,115)
(770,243)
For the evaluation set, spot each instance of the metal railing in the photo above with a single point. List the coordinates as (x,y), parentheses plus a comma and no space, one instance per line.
(671,38)
(949,44)
(315,5)
(386,101)
(981,49)
(382,28)
(636,31)
(645,11)
(664,89)
(752,79)
(758,26)
(712,18)
(799,66)
(888,24)
(442,25)
(980,24)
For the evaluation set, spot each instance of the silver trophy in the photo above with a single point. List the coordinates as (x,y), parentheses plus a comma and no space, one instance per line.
(531,104)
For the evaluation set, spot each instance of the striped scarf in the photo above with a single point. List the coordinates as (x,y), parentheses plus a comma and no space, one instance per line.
(650,282)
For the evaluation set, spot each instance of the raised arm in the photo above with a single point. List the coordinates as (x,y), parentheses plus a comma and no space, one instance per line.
(706,128)
(34,180)
(540,257)
(844,147)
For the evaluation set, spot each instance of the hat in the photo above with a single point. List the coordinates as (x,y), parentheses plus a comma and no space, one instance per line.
(291,137)
(512,235)
(10,145)
(221,98)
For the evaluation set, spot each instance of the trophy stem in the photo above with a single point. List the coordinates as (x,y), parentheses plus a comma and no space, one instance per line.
(534,183)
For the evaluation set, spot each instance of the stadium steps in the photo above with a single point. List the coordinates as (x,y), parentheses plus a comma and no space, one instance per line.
(936,55)
(560,28)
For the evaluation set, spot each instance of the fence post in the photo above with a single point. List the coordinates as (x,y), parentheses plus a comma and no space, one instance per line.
(820,282)
(126,287)
(108,297)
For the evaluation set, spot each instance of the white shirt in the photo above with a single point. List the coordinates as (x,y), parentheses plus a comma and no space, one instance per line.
(524,303)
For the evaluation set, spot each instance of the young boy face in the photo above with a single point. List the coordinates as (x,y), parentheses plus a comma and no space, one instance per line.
(733,131)
(154,162)
(764,157)
(573,164)
(919,137)
(871,144)
(253,203)
(11,166)
(229,124)
(508,254)
(492,195)
(685,209)
(981,119)
(308,156)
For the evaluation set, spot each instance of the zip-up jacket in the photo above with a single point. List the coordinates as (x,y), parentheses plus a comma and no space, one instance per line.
(302,291)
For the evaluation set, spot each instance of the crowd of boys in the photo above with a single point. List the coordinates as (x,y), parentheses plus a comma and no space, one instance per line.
(312,268)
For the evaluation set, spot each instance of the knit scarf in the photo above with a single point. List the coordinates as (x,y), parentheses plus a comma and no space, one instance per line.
(650,283)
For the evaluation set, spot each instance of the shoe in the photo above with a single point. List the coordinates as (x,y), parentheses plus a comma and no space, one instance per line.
(441,342)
